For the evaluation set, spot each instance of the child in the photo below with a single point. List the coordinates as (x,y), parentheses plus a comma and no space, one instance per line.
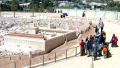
(104,49)
(82,44)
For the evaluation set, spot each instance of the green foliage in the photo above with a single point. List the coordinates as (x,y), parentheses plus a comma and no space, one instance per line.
(5,7)
(75,1)
(47,4)
(113,6)
(8,2)
(14,5)
(41,9)
(34,5)
(55,3)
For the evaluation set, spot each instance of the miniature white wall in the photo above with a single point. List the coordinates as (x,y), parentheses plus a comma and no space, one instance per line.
(19,44)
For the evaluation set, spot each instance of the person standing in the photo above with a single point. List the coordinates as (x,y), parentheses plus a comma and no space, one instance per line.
(86,45)
(100,49)
(82,50)
(83,15)
(101,24)
(89,47)
(103,37)
(95,51)
(96,30)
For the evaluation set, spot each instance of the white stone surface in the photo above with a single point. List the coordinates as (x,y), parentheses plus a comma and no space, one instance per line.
(23,44)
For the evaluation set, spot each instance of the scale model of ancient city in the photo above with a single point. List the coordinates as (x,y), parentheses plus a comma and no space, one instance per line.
(59,33)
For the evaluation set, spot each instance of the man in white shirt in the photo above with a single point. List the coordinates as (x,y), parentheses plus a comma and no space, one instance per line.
(101,24)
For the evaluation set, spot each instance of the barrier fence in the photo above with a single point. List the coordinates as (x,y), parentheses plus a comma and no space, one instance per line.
(71,12)
(52,57)
(34,60)
(9,64)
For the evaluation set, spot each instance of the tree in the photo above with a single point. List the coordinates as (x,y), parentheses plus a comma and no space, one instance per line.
(76,1)
(34,6)
(0,9)
(55,3)
(25,1)
(8,2)
(14,6)
(47,4)
(5,7)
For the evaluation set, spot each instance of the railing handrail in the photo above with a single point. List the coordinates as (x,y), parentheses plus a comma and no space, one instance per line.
(54,59)
(64,50)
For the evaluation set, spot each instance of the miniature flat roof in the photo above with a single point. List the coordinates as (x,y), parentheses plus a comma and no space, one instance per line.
(27,35)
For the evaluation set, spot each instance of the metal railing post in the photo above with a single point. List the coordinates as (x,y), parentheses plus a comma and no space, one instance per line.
(43,61)
(55,57)
(92,66)
(10,57)
(30,59)
(75,51)
(14,64)
(19,57)
(66,54)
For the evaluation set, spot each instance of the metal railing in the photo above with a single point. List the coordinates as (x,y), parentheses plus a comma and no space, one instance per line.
(9,64)
(30,61)
(52,57)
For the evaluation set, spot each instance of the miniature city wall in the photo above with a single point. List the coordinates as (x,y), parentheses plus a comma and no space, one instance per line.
(52,43)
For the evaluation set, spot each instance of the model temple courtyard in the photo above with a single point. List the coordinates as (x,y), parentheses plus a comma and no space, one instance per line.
(46,37)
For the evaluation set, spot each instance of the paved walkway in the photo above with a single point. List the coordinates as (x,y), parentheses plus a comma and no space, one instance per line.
(85,62)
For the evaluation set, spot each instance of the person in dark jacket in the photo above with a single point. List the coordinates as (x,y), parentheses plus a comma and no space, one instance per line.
(83,15)
(86,45)
(103,37)
(96,30)
(94,46)
(89,48)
